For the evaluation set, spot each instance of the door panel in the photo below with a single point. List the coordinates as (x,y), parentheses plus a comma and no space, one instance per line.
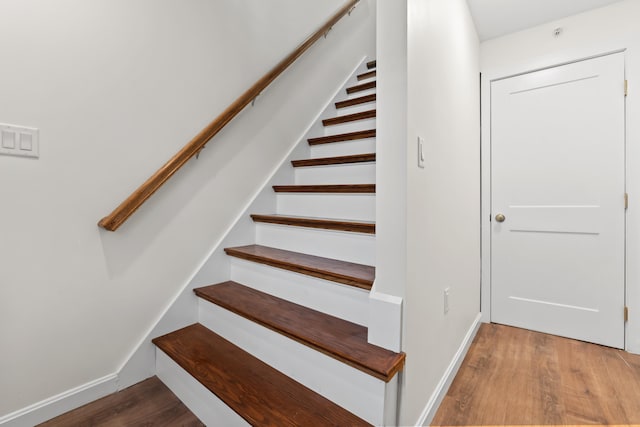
(558,176)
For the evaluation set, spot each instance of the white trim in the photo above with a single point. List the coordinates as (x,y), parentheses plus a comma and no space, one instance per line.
(559,64)
(431,408)
(385,320)
(390,415)
(64,402)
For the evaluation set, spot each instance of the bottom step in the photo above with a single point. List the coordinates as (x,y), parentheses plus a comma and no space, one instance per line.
(254,390)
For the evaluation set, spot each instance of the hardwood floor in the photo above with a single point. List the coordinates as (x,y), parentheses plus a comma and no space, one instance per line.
(149,403)
(513,376)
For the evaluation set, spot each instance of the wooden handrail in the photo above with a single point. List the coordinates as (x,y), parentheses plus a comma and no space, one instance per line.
(120,214)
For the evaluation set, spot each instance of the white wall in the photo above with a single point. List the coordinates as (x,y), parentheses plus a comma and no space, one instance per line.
(440,225)
(116,88)
(391,186)
(385,305)
(591,33)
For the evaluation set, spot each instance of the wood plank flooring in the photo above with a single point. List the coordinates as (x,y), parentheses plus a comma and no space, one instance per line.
(149,403)
(513,376)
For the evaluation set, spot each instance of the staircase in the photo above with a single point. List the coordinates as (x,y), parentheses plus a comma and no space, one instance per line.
(284,341)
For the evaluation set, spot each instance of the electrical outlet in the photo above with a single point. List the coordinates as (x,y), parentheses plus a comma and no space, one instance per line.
(446,300)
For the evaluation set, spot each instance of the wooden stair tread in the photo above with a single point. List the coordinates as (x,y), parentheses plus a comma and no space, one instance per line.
(367,75)
(335,337)
(356,101)
(370,114)
(347,273)
(322,223)
(254,390)
(338,160)
(331,188)
(351,136)
(361,87)
(371,64)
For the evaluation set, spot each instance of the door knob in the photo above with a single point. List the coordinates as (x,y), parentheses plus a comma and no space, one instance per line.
(500,218)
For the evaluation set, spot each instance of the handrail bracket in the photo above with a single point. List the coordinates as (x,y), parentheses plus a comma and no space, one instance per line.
(253,101)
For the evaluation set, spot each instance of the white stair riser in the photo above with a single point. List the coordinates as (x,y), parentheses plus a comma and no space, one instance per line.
(338,206)
(352,247)
(348,387)
(204,404)
(356,108)
(354,126)
(344,148)
(351,173)
(338,300)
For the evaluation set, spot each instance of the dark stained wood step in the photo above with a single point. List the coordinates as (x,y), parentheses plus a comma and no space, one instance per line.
(371,64)
(367,75)
(339,160)
(337,338)
(351,136)
(257,392)
(338,188)
(325,224)
(361,87)
(147,403)
(370,114)
(347,273)
(356,101)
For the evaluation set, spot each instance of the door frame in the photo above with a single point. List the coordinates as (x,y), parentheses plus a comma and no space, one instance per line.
(485,173)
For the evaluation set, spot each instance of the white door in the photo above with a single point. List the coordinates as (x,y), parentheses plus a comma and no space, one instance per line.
(558,185)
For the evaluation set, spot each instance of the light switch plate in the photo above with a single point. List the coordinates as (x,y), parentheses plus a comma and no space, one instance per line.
(19,141)
(447,292)
(421,152)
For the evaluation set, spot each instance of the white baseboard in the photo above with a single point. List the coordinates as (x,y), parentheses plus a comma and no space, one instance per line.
(64,402)
(430,409)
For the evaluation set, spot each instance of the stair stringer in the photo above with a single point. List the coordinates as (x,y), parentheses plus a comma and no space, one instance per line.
(215,267)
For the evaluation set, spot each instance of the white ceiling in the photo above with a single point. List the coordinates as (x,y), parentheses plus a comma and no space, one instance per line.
(495,18)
